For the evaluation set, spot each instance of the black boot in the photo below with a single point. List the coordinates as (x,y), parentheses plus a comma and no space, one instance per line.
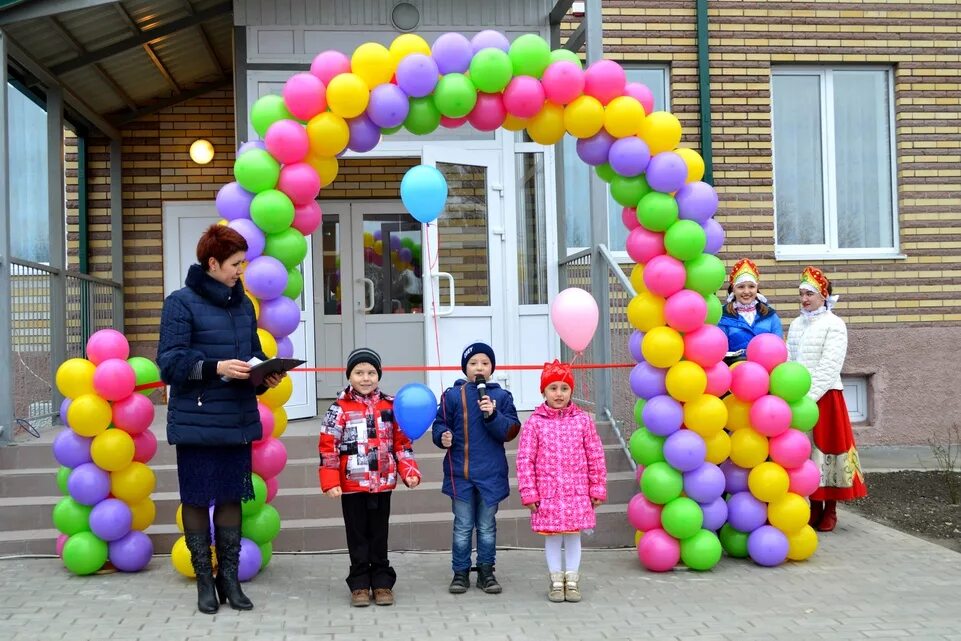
(486,580)
(228,559)
(199,545)
(459,583)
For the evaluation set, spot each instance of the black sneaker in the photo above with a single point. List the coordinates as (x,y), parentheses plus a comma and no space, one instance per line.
(460,583)
(486,580)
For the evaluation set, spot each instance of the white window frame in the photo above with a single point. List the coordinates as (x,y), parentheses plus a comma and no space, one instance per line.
(856,387)
(829,249)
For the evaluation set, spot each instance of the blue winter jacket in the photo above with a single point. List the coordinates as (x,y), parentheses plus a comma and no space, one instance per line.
(209,322)
(476,458)
(739,332)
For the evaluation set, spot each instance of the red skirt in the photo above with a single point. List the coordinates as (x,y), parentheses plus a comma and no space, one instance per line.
(835,452)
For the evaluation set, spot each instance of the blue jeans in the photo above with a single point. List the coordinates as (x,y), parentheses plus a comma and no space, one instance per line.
(468,515)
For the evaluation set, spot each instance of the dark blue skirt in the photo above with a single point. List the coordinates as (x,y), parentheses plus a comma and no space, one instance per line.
(214,474)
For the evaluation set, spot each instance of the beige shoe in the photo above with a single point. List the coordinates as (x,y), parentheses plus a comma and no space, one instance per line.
(383,596)
(555,593)
(360,598)
(572,593)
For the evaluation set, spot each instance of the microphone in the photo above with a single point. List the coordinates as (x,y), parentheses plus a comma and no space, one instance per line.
(481,384)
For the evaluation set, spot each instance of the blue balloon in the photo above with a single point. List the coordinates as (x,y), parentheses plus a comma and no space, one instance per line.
(424,192)
(415,408)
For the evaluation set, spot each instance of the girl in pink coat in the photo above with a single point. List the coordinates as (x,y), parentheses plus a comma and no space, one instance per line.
(561,477)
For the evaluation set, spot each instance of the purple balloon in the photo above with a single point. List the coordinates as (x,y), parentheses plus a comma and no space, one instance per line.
(233,201)
(364,134)
(70,449)
(388,106)
(110,519)
(285,348)
(279,316)
(704,483)
(735,478)
(634,345)
(250,560)
(663,415)
(715,514)
(417,75)
(265,277)
(377,234)
(685,451)
(745,513)
(252,144)
(696,201)
(490,39)
(452,53)
(595,150)
(715,236)
(64,406)
(132,552)
(406,254)
(767,546)
(666,172)
(647,381)
(88,484)
(630,156)
(252,234)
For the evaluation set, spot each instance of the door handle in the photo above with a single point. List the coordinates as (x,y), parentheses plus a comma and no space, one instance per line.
(368,286)
(447,311)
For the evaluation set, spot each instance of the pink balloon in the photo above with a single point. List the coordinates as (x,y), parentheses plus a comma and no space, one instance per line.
(685,311)
(272,487)
(629,218)
(328,64)
(805,478)
(287,141)
(749,381)
(643,245)
(300,182)
(61,541)
(269,457)
(770,415)
(133,414)
(664,275)
(144,446)
(452,123)
(107,343)
(489,112)
(605,80)
(642,94)
(266,421)
(638,473)
(524,97)
(658,551)
(574,315)
(705,346)
(643,514)
(769,350)
(305,95)
(791,449)
(307,218)
(563,82)
(114,379)
(718,379)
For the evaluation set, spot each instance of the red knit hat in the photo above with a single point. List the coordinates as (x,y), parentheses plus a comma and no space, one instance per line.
(556,372)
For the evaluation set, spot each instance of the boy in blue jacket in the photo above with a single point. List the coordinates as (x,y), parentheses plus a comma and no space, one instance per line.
(474,420)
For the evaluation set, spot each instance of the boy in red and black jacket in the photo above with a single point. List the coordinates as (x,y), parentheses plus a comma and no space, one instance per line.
(362,454)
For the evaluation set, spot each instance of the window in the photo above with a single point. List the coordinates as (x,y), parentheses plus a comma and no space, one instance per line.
(27,151)
(833,163)
(577,218)
(531,229)
(856,397)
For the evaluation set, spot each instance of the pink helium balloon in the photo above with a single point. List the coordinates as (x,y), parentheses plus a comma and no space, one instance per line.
(770,415)
(643,245)
(287,141)
(307,218)
(328,64)
(300,182)
(133,414)
(268,458)
(574,315)
(718,379)
(144,446)
(629,218)
(563,82)
(305,95)
(749,381)
(664,275)
(643,514)
(805,478)
(705,346)
(685,311)
(452,123)
(272,487)
(489,112)
(791,449)
(769,350)
(61,541)
(605,80)
(266,421)
(114,379)
(524,97)
(642,94)
(658,551)
(107,343)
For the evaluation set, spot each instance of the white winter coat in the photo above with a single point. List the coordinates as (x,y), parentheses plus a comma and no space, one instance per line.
(820,343)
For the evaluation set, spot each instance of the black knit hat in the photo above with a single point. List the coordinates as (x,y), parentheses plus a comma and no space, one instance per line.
(363,355)
(477,348)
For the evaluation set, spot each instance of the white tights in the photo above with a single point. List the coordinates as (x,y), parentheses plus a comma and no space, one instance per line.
(572,552)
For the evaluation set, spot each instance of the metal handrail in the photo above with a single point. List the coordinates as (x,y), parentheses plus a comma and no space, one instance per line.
(56,271)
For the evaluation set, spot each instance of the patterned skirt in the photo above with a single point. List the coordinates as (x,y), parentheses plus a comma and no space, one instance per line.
(835,452)
(214,474)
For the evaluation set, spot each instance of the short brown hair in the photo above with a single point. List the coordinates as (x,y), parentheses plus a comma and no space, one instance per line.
(219,242)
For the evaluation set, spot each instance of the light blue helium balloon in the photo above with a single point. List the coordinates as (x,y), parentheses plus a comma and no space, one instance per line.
(423,191)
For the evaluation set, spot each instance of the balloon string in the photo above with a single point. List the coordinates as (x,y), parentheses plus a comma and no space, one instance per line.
(435,294)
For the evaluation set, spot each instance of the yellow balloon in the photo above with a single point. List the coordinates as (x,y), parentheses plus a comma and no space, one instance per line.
(686,381)
(222,222)
(133,483)
(705,415)
(748,448)
(276,397)
(180,517)
(718,447)
(267,343)
(89,415)
(144,512)
(738,413)
(112,450)
(661,131)
(623,116)
(637,278)
(789,513)
(256,304)
(584,117)
(694,162)
(513,123)
(280,421)
(75,377)
(547,127)
(180,558)
(326,167)
(347,96)
(368,240)
(662,347)
(637,536)
(768,481)
(371,62)
(328,134)
(404,45)
(646,311)
(378,247)
(802,544)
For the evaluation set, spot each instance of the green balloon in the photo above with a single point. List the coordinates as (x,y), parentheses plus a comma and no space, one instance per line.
(714,310)
(701,551)
(682,518)
(252,506)
(408,243)
(656,211)
(638,411)
(791,381)
(661,483)
(71,517)
(145,372)
(455,95)
(646,448)
(266,111)
(272,210)
(262,526)
(705,274)
(605,173)
(804,414)
(295,284)
(566,54)
(62,475)
(530,54)
(490,70)
(256,170)
(734,541)
(629,191)
(84,553)
(391,130)
(685,240)
(266,554)
(288,246)
(423,117)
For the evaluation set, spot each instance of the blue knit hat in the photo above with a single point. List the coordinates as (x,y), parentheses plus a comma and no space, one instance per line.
(474,349)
